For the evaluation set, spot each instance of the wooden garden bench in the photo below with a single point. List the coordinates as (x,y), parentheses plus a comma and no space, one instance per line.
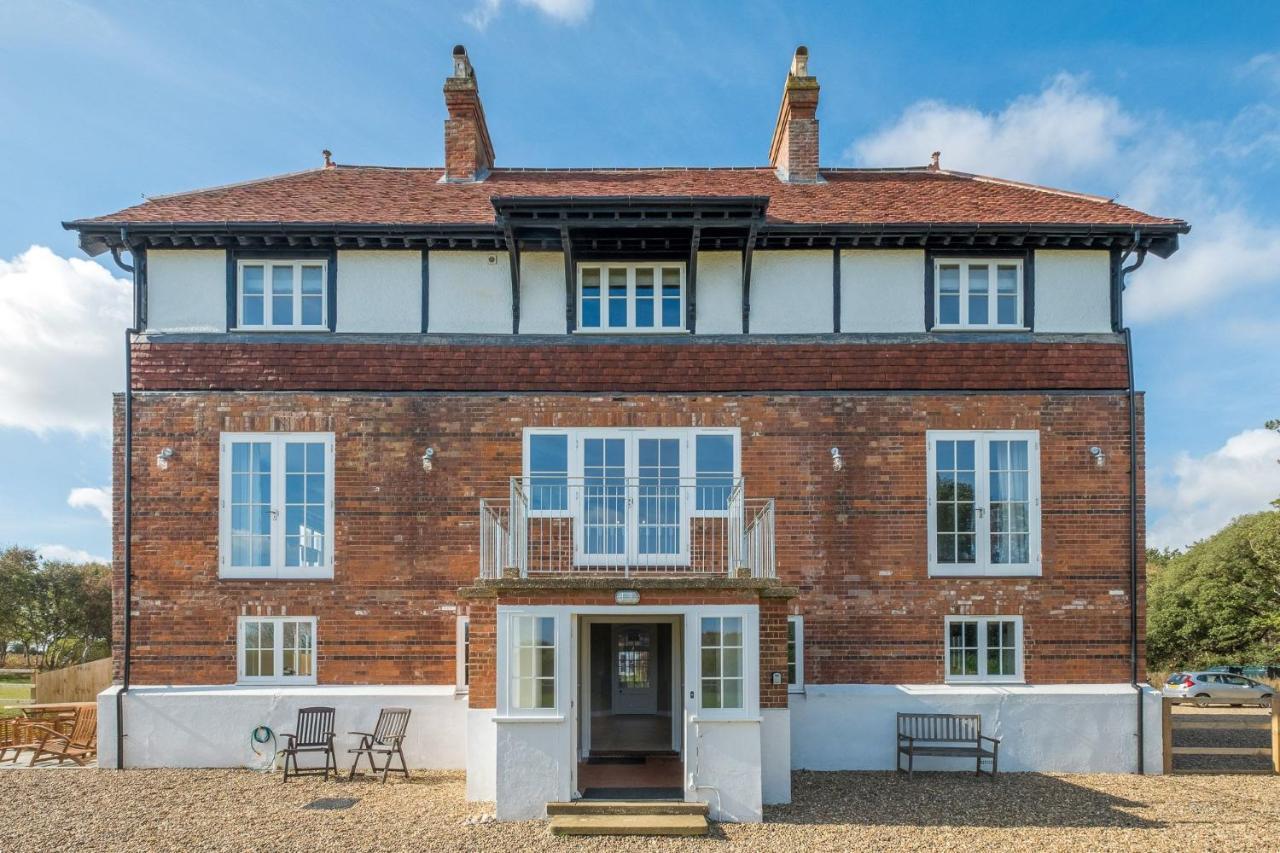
(946,736)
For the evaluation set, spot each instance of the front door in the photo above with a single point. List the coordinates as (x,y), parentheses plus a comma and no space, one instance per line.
(635,682)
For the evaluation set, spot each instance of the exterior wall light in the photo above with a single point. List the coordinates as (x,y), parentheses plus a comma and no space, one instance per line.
(627,596)
(428,455)
(837,461)
(1099,458)
(163,457)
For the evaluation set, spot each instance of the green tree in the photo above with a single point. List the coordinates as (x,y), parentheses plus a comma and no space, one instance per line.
(18,567)
(1219,601)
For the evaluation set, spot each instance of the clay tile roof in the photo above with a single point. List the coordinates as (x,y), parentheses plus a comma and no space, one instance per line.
(412,196)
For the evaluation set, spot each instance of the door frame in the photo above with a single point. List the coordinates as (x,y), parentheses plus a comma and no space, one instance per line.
(582,673)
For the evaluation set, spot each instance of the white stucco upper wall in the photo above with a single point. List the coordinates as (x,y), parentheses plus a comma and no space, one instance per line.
(790,292)
(379,291)
(542,300)
(882,290)
(719,296)
(470,292)
(186,290)
(1072,291)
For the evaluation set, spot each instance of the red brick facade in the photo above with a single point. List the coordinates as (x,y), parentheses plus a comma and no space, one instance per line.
(853,542)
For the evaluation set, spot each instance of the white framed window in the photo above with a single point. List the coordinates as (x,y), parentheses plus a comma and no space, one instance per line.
(978,293)
(276,650)
(282,294)
(532,663)
(984,502)
(984,648)
(462,683)
(795,654)
(276,505)
(722,641)
(616,296)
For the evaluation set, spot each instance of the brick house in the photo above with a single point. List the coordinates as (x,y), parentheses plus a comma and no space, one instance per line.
(675,478)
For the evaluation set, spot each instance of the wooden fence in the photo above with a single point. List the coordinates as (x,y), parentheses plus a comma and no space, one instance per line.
(1184,722)
(80,683)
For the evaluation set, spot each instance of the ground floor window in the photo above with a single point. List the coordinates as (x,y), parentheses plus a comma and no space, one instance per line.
(795,654)
(277,650)
(722,663)
(463,679)
(533,662)
(984,648)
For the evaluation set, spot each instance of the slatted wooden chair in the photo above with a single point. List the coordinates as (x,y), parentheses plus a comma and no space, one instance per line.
(945,735)
(79,745)
(13,736)
(386,739)
(314,734)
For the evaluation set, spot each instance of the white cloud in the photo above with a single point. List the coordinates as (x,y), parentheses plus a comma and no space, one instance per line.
(64,554)
(1265,66)
(1202,493)
(562,11)
(62,327)
(98,499)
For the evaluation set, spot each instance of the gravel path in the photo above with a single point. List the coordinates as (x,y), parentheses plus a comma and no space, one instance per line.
(214,810)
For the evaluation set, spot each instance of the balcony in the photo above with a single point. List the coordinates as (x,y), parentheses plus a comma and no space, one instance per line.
(620,526)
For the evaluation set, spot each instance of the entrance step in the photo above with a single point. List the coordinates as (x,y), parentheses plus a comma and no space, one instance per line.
(629,824)
(626,807)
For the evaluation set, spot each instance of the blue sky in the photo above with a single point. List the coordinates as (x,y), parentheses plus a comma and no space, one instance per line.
(1170,106)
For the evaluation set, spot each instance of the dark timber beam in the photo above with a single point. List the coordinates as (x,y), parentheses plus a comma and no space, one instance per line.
(691,283)
(570,282)
(747,249)
(513,257)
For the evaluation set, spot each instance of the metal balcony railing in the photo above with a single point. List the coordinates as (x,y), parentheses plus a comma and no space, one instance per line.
(628,526)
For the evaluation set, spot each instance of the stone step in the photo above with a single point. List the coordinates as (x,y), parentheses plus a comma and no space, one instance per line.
(623,807)
(629,824)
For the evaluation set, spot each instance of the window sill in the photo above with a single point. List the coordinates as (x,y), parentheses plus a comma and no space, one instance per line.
(252,329)
(985,572)
(234,575)
(615,331)
(981,682)
(529,718)
(980,329)
(276,682)
(702,718)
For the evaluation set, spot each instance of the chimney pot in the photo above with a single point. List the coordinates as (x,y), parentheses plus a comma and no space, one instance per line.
(468,150)
(794,150)
(935,161)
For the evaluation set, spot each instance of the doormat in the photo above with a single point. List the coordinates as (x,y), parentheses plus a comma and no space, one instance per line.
(332,803)
(633,794)
(616,759)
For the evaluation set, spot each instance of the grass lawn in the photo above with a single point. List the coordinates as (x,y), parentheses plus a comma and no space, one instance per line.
(13,689)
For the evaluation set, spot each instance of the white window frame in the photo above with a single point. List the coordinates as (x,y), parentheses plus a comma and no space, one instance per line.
(992,305)
(631,327)
(507,661)
(269,323)
(798,686)
(983,566)
(462,642)
(277,569)
(278,639)
(750,661)
(1017,678)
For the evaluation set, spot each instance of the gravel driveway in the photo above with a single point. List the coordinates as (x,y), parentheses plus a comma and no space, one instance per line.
(212,810)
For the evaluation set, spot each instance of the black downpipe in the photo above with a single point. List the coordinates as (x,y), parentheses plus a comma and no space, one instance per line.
(127,551)
(1134,674)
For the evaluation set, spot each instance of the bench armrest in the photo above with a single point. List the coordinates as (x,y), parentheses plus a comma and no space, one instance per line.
(902,737)
(994,740)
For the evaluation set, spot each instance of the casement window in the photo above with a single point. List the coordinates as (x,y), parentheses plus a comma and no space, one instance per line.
(463,677)
(276,505)
(631,297)
(282,294)
(984,502)
(532,663)
(984,648)
(723,666)
(978,293)
(279,650)
(795,654)
(632,493)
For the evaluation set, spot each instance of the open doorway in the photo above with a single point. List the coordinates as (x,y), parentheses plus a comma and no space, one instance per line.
(632,716)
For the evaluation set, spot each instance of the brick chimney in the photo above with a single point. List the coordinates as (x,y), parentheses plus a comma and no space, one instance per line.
(468,151)
(794,151)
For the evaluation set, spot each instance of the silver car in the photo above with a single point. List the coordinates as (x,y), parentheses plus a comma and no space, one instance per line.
(1217,688)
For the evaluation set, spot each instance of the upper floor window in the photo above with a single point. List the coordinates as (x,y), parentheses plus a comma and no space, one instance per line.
(631,297)
(276,505)
(977,293)
(282,294)
(984,502)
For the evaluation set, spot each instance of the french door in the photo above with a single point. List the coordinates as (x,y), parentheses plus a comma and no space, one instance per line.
(634,498)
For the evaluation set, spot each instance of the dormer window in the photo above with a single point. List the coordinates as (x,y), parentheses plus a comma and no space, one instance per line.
(977,293)
(282,294)
(631,297)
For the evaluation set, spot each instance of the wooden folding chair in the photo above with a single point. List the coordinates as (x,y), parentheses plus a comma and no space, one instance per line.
(385,739)
(80,745)
(314,734)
